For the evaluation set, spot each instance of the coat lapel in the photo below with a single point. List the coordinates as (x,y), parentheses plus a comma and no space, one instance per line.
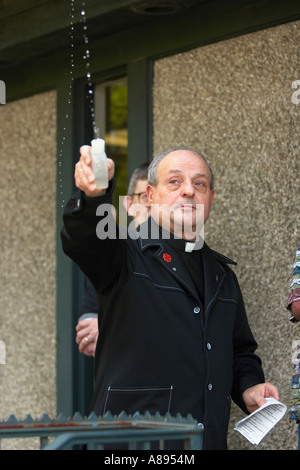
(170,261)
(213,270)
(214,274)
(149,236)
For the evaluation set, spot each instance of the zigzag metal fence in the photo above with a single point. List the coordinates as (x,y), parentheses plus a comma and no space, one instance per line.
(136,432)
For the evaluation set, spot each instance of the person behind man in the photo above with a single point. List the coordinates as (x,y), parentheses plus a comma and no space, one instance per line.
(293,300)
(293,304)
(174,332)
(87,328)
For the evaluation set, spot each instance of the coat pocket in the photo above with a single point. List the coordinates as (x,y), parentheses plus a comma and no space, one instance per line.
(141,399)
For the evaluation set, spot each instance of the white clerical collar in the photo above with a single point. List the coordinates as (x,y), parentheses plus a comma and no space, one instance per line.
(195,245)
(189,246)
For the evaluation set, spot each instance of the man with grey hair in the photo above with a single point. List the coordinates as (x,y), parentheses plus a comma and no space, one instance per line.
(152,171)
(174,332)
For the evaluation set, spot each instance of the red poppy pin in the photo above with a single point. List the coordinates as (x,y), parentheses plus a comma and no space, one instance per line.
(167,257)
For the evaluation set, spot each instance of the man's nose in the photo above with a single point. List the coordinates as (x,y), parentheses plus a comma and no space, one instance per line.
(188,189)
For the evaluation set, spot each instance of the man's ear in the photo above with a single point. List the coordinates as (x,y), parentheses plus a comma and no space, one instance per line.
(149,192)
(127,203)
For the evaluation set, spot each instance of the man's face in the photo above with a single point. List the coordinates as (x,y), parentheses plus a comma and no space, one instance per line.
(137,205)
(183,191)
(140,195)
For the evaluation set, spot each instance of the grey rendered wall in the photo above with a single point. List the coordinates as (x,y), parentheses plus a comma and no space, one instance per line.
(28,259)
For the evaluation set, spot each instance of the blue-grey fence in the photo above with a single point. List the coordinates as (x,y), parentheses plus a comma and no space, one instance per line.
(134,431)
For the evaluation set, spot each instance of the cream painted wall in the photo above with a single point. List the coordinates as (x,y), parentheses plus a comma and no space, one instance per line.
(233,101)
(28,259)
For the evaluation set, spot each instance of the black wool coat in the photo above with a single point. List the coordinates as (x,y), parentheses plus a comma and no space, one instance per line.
(160,349)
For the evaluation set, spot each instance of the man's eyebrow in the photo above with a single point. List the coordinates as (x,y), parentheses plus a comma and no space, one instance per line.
(197,175)
(171,172)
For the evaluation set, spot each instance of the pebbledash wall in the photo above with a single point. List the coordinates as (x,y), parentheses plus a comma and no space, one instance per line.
(234,101)
(28,259)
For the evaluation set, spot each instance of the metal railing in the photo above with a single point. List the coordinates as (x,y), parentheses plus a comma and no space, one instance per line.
(135,432)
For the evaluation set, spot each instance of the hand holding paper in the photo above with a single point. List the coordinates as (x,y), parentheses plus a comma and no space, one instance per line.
(255,426)
(254,397)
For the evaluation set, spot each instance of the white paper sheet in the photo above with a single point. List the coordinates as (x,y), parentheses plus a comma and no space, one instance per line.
(255,426)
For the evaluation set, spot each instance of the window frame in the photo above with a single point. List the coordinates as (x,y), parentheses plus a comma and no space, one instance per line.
(74,370)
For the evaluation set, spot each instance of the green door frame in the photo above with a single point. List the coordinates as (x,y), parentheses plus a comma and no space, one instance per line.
(74,371)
